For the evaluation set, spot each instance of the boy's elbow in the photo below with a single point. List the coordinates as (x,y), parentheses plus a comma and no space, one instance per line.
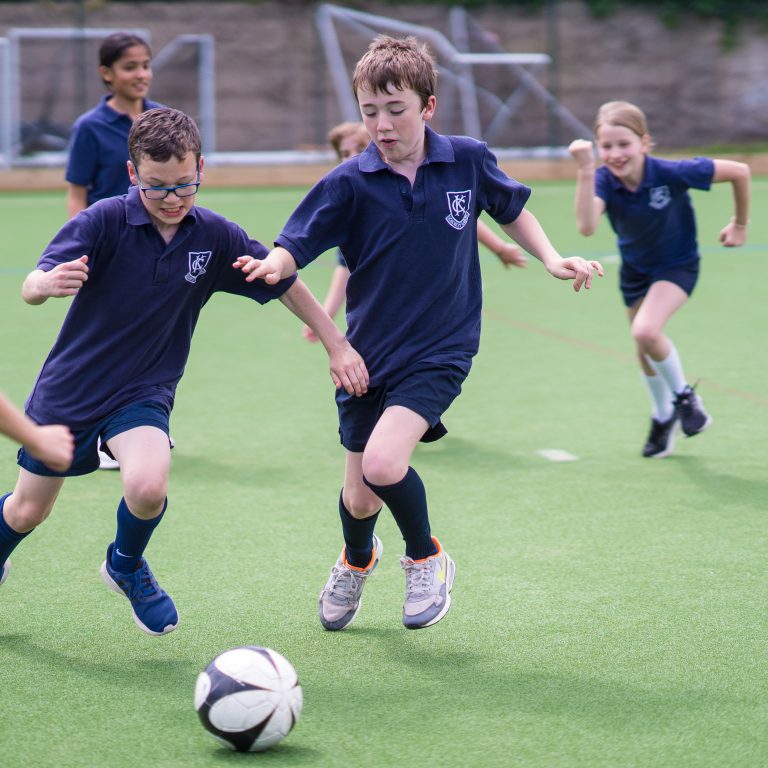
(586,228)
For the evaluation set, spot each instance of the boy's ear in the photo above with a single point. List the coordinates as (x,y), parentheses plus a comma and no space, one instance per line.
(200,165)
(132,174)
(429,110)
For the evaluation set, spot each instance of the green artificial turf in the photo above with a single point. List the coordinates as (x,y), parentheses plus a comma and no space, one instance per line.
(608,611)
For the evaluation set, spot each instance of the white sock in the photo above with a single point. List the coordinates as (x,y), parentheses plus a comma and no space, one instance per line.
(661,396)
(670,369)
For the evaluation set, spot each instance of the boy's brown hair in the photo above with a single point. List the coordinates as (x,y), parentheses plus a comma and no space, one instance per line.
(162,133)
(396,62)
(339,132)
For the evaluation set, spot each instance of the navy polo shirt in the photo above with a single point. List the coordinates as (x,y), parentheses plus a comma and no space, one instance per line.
(127,334)
(414,294)
(98,151)
(655,224)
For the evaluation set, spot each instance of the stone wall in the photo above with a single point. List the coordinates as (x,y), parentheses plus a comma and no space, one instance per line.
(273,91)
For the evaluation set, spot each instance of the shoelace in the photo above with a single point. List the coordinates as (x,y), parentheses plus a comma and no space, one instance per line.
(139,584)
(346,588)
(419,576)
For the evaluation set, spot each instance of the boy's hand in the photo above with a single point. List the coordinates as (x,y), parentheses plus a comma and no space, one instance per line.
(577,269)
(54,446)
(733,235)
(348,369)
(65,279)
(270,269)
(582,152)
(511,254)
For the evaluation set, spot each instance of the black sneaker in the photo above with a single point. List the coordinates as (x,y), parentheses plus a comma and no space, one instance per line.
(661,440)
(689,408)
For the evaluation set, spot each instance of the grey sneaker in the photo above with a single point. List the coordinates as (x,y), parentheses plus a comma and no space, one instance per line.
(340,599)
(4,571)
(428,586)
(689,408)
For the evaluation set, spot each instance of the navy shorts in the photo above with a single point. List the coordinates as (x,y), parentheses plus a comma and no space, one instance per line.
(635,284)
(427,391)
(86,460)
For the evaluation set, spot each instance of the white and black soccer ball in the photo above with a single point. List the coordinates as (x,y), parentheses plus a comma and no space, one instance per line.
(249,698)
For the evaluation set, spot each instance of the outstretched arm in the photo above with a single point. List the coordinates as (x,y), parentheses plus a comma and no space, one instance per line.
(334,298)
(53,445)
(589,207)
(347,367)
(739,174)
(63,280)
(507,253)
(527,231)
(274,267)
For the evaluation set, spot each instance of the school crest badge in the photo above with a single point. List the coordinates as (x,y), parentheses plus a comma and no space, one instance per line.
(659,197)
(458,208)
(198,261)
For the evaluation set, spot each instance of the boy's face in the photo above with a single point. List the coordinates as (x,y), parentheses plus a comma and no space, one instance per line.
(395,121)
(153,175)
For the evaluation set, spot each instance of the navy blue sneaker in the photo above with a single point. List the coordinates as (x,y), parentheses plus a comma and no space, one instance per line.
(661,440)
(689,408)
(152,607)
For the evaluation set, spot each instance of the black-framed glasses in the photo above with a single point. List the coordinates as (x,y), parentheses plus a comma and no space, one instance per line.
(160,193)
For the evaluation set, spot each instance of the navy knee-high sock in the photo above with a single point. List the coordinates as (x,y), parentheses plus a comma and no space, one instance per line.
(9,539)
(358,536)
(407,501)
(132,537)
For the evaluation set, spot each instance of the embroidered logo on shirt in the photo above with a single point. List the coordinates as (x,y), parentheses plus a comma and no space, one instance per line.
(660,197)
(458,206)
(198,261)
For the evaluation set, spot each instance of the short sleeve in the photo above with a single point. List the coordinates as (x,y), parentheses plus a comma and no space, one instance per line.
(501,196)
(231,280)
(696,173)
(82,162)
(602,183)
(319,223)
(76,238)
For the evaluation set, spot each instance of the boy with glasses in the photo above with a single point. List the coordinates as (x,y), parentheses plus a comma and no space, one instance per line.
(152,260)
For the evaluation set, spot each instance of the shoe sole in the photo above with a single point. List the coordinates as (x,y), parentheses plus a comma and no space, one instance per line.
(5,571)
(335,626)
(451,573)
(113,585)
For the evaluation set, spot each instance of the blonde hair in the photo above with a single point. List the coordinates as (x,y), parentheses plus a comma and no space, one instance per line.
(397,62)
(622,114)
(339,132)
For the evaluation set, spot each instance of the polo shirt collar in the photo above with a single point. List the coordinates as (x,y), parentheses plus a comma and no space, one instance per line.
(112,115)
(439,150)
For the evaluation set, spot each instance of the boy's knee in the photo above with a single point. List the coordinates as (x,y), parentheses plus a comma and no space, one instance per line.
(383,470)
(23,514)
(144,493)
(361,502)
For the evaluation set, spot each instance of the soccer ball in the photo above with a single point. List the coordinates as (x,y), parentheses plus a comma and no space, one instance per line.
(249,698)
